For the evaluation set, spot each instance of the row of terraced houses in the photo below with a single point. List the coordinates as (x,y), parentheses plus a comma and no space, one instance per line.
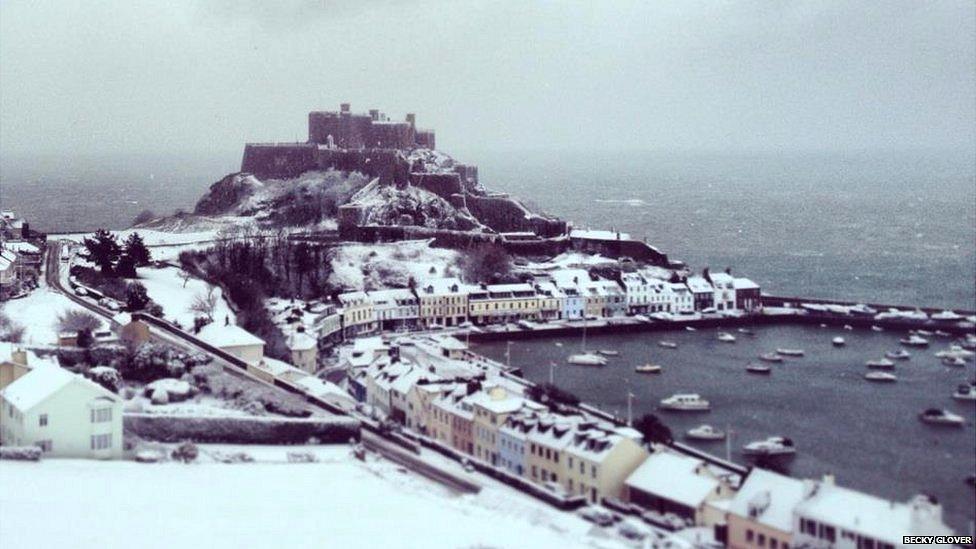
(565,294)
(435,387)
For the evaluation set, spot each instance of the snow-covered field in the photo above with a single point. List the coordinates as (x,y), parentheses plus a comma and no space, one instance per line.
(38,313)
(337,502)
(166,288)
(390,265)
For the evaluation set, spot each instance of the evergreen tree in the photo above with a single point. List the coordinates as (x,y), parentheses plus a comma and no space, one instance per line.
(136,297)
(136,249)
(653,429)
(103,250)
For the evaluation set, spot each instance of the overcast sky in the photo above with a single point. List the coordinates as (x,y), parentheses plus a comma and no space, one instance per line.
(133,77)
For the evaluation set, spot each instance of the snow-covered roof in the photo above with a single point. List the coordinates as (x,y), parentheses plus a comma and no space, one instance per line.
(352,297)
(768,498)
(230,335)
(300,341)
(673,477)
(41,382)
(744,284)
(394,294)
(21,247)
(866,514)
(276,367)
(320,388)
(496,400)
(699,284)
(450,343)
(122,318)
(721,278)
(440,286)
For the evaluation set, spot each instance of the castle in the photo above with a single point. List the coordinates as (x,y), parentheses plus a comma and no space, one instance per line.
(369,143)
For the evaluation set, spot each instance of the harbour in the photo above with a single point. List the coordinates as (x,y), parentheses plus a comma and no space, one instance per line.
(867,434)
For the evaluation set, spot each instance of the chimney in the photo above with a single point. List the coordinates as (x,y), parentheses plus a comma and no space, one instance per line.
(344,108)
(19,356)
(374,114)
(412,119)
(828,479)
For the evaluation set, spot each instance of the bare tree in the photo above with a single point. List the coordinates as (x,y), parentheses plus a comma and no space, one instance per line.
(205,304)
(9,330)
(78,321)
(185,276)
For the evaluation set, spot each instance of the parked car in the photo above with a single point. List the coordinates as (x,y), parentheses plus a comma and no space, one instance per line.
(597,515)
(80,291)
(631,529)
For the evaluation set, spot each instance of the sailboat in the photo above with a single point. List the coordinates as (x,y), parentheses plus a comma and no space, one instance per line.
(584,357)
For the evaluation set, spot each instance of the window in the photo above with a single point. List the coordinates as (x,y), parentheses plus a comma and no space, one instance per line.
(101,442)
(593,471)
(749,536)
(761,540)
(42,420)
(101,415)
(773,544)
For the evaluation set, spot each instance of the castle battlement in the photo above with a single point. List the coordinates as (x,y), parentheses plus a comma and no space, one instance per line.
(344,129)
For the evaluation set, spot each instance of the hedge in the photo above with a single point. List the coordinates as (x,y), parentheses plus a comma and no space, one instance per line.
(241,430)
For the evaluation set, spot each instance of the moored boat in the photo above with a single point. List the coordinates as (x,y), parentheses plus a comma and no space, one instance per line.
(667,344)
(790,352)
(758,368)
(772,446)
(900,354)
(838,341)
(648,369)
(955,351)
(880,376)
(876,328)
(608,352)
(770,357)
(935,416)
(953,361)
(726,337)
(705,432)
(587,359)
(691,328)
(745,331)
(882,364)
(914,340)
(965,391)
(685,402)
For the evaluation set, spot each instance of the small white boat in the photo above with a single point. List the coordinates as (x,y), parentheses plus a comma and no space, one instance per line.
(880,376)
(772,446)
(954,361)
(940,333)
(587,359)
(882,364)
(608,352)
(745,331)
(900,354)
(726,337)
(758,368)
(790,352)
(965,391)
(686,402)
(924,333)
(838,341)
(936,416)
(955,351)
(648,369)
(691,328)
(914,340)
(667,344)
(770,357)
(946,315)
(705,432)
(876,328)
(848,327)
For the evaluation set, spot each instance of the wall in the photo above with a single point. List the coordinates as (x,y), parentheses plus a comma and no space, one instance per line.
(504,214)
(278,160)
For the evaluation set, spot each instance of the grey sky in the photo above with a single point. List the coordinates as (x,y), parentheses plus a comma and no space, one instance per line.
(105,77)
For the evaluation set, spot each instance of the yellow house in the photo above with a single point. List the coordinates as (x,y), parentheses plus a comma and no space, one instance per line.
(14,363)
(443,302)
(761,513)
(503,303)
(358,316)
(598,461)
(545,441)
(669,482)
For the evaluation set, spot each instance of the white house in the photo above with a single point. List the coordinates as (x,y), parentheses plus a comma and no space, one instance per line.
(761,513)
(396,308)
(682,300)
(304,350)
(63,413)
(724,291)
(841,518)
(638,290)
(234,340)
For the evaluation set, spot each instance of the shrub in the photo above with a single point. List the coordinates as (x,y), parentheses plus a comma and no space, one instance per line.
(76,321)
(20,453)
(241,430)
(302,457)
(106,377)
(185,452)
(486,263)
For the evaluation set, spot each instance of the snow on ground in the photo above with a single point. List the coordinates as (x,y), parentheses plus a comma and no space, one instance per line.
(390,265)
(166,288)
(337,502)
(38,313)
